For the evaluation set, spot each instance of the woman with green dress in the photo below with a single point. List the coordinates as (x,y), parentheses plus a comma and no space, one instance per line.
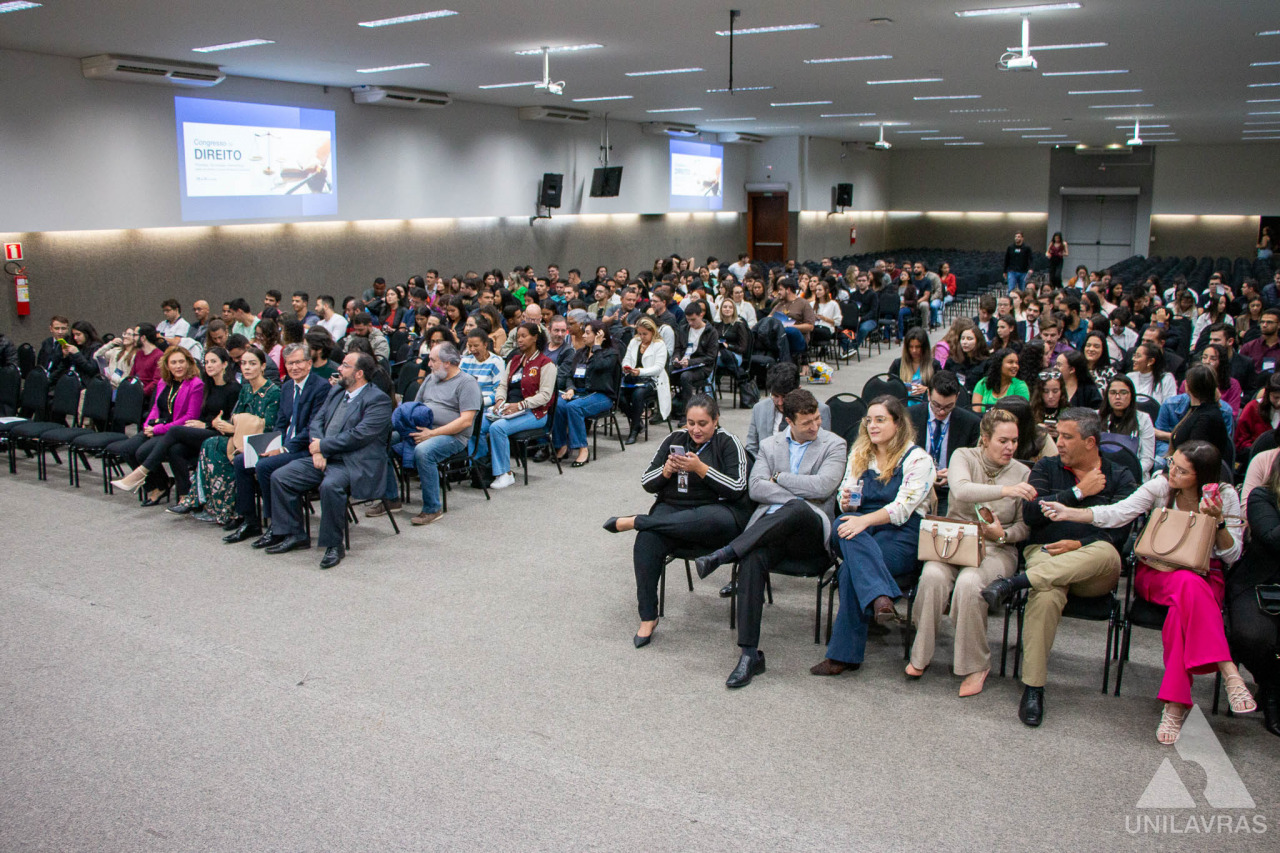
(215,477)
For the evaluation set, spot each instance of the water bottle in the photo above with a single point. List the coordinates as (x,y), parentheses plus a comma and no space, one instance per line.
(853,496)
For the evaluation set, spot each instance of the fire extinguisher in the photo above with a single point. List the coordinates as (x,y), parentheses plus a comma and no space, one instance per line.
(21,287)
(853,234)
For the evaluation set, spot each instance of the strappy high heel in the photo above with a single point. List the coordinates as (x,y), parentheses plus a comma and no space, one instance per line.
(1170,723)
(1238,696)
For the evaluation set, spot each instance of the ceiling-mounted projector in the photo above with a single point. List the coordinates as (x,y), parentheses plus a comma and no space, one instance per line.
(1022,61)
(882,145)
(1137,136)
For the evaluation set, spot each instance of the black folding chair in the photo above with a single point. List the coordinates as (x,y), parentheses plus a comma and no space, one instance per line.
(33,406)
(885,383)
(65,406)
(525,440)
(95,412)
(847,412)
(10,390)
(129,409)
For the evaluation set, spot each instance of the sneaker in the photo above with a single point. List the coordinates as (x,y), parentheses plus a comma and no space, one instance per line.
(425,518)
(503,481)
(380,509)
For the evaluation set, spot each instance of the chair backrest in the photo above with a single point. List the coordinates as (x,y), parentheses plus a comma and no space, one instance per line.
(850,315)
(95,408)
(847,412)
(10,390)
(1266,441)
(1147,404)
(26,359)
(1124,457)
(35,394)
(130,405)
(889,303)
(884,383)
(66,397)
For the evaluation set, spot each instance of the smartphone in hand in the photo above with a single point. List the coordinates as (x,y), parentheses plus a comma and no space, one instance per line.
(676,450)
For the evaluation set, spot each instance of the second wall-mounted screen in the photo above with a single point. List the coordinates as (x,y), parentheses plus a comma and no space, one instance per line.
(697,176)
(255,161)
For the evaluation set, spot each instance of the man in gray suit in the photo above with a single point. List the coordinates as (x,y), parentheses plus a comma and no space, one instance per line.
(766,416)
(794,481)
(348,457)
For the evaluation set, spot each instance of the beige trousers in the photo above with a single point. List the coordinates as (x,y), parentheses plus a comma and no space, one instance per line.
(941,583)
(1089,571)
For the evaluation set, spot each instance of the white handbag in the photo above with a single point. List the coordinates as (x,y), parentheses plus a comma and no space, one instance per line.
(958,543)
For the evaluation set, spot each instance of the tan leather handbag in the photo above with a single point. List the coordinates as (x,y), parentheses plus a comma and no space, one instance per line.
(1176,539)
(246,424)
(958,543)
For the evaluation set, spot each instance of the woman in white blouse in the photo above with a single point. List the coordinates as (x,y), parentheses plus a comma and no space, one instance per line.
(1149,376)
(887,489)
(1124,424)
(1194,639)
(644,371)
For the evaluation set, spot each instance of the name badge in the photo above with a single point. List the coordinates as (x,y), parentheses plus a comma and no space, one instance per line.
(580,371)
(1269,364)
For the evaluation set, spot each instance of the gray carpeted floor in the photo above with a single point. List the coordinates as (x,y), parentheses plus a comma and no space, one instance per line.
(472,686)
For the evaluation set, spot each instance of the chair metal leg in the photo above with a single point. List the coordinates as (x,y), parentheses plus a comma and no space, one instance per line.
(817,613)
(662,591)
(733,600)
(1123,657)
(1217,690)
(1004,640)
(1106,663)
(688,574)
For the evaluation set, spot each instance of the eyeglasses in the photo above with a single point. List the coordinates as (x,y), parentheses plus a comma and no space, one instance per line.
(1046,375)
(1118,392)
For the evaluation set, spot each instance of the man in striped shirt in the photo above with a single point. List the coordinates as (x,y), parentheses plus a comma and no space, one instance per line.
(486,367)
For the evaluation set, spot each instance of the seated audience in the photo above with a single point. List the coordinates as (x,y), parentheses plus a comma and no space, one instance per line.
(1148,376)
(1255,633)
(1048,401)
(521,400)
(348,460)
(1258,416)
(697,346)
(82,348)
(735,340)
(916,365)
(1264,350)
(146,359)
(1000,381)
(1097,359)
(794,482)
(988,487)
(699,481)
(588,388)
(177,401)
(119,355)
(1194,639)
(967,359)
(1078,388)
(1204,420)
(887,489)
(1125,425)
(479,362)
(766,416)
(644,376)
(1216,358)
(1063,556)
(941,428)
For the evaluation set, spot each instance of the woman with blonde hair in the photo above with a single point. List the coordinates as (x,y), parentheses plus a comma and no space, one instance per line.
(988,486)
(887,488)
(916,365)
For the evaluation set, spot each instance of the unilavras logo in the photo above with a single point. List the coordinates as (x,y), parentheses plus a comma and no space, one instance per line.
(1223,788)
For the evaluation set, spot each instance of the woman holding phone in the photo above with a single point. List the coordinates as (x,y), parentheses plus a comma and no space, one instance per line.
(699,480)
(1195,640)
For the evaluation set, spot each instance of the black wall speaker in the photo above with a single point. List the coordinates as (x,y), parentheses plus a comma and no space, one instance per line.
(844,195)
(552,183)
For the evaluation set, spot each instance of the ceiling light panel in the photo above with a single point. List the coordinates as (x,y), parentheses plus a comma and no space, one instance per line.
(1262,85)
(831,59)
(802,104)
(1044,136)
(603,98)
(911,80)
(408,19)
(677,110)
(1268,33)
(511,85)
(1263,101)
(664,71)
(990,110)
(1144,127)
(888,124)
(1022,129)
(1105,92)
(1079,46)
(392,68)
(845,115)
(736,118)
(964,143)
(1018,10)
(939,138)
(1119,106)
(739,89)
(1083,73)
(919,131)
(232,45)
(1261,64)
(781,28)
(946,97)
(568,48)
(18,6)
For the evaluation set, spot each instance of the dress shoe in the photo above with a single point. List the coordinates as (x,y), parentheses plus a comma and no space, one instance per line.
(996,593)
(332,556)
(832,667)
(882,607)
(710,562)
(641,642)
(233,522)
(203,515)
(248,530)
(425,518)
(379,509)
(267,539)
(296,542)
(1031,708)
(131,481)
(972,684)
(633,436)
(157,497)
(748,667)
(612,524)
(729,590)
(182,509)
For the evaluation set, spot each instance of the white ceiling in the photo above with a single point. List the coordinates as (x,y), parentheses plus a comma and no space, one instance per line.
(1190,58)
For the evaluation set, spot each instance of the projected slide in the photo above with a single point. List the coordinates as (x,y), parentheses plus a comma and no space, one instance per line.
(697,176)
(254,161)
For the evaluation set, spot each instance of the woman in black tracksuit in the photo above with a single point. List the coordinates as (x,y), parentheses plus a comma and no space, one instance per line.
(702,504)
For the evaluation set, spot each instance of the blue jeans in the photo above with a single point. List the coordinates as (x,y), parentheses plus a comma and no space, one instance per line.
(499,433)
(570,424)
(937,305)
(427,456)
(1017,280)
(865,328)
(864,576)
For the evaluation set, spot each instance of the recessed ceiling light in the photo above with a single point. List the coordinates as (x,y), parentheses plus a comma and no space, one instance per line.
(990,110)
(1018,10)
(1075,142)
(1083,73)
(919,131)
(214,48)
(739,89)
(888,124)
(1262,85)
(663,71)
(1133,118)
(677,110)
(1263,101)
(1105,92)
(999,120)
(736,118)
(511,85)
(1253,139)
(17,6)
(568,48)
(407,19)
(1268,33)
(801,103)
(1260,64)
(964,143)
(946,97)
(1119,106)
(1158,133)
(782,28)
(1264,113)
(1259,130)
(830,59)
(939,138)
(603,98)
(1263,122)
(779,127)
(1078,46)
(1022,129)
(912,80)
(1044,136)
(845,115)
(1144,127)
(392,68)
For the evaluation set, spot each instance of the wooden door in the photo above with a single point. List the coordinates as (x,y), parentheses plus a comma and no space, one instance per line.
(768,240)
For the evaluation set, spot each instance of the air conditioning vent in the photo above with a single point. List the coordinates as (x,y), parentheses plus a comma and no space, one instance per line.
(556,114)
(387,96)
(740,138)
(138,69)
(668,128)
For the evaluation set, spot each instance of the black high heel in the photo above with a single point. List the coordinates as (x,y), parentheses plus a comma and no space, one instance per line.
(641,642)
(163,498)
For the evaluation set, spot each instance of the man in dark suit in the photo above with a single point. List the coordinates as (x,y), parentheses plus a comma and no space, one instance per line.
(302,394)
(942,427)
(51,356)
(348,457)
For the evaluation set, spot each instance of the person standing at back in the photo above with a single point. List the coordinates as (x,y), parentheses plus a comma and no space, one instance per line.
(1017,262)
